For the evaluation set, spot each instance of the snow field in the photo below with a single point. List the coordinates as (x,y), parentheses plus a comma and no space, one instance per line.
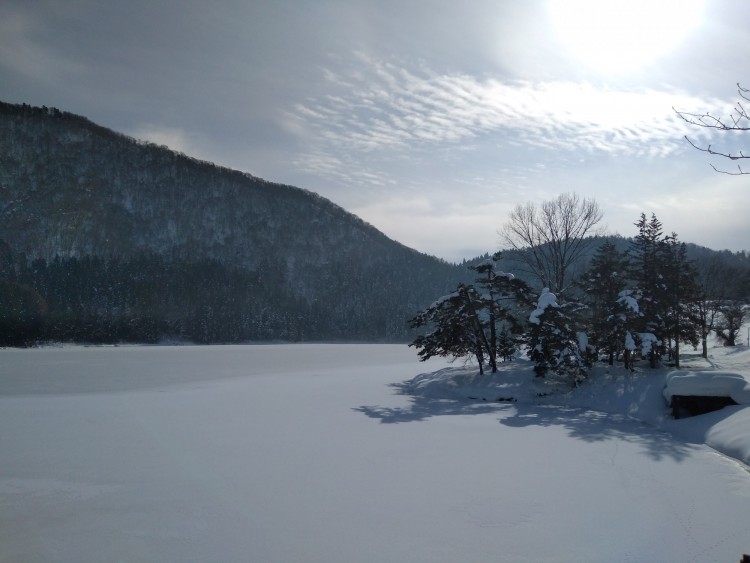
(326,453)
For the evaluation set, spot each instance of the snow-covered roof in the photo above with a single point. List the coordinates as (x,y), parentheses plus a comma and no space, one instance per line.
(708,384)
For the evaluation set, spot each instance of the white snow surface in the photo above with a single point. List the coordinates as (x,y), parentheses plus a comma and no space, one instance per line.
(358,453)
(627,299)
(546,299)
(708,384)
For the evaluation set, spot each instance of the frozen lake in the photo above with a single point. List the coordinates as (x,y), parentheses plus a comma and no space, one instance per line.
(312,453)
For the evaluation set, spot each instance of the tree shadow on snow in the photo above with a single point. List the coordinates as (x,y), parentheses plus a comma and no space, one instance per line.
(595,426)
(580,423)
(422,408)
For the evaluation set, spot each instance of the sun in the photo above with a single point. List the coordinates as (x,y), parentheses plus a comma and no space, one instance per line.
(622,36)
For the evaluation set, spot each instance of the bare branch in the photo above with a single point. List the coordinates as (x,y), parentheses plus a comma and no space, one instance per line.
(551,238)
(709,150)
(740,172)
(739,120)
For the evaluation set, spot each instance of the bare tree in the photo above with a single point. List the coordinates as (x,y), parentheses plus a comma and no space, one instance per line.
(738,120)
(551,238)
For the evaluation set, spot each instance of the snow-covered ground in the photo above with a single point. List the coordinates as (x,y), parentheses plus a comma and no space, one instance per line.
(345,453)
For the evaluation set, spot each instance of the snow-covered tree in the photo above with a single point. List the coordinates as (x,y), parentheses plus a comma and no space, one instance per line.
(646,267)
(507,344)
(473,320)
(681,321)
(554,344)
(455,327)
(504,296)
(602,286)
(660,270)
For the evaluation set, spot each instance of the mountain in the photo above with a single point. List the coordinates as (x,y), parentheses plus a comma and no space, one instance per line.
(107,238)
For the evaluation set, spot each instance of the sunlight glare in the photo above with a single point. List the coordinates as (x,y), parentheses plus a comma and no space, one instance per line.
(621,36)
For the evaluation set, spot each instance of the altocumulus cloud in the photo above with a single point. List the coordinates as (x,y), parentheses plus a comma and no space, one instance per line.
(376,112)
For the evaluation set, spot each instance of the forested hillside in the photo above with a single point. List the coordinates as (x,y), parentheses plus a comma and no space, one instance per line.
(105,238)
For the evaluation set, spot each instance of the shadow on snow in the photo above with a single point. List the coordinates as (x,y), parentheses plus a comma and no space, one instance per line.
(594,426)
(582,424)
(422,408)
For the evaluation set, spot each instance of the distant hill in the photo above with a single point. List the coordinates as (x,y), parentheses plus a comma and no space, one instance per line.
(107,238)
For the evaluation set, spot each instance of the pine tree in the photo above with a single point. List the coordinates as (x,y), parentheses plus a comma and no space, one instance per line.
(646,267)
(507,344)
(603,284)
(456,329)
(661,270)
(502,294)
(474,320)
(554,344)
(681,319)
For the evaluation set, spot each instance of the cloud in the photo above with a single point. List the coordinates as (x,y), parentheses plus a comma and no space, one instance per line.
(448,228)
(24,54)
(380,111)
(175,138)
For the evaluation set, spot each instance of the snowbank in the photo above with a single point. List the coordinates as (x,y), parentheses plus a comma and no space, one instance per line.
(731,436)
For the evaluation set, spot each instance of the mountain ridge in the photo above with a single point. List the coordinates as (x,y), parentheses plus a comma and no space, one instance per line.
(182,171)
(71,189)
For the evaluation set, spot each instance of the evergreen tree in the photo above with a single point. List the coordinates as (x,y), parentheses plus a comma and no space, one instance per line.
(680,297)
(456,329)
(621,326)
(602,285)
(507,344)
(476,321)
(666,278)
(502,297)
(554,344)
(648,263)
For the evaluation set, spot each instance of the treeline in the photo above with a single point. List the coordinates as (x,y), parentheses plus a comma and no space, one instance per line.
(626,304)
(149,298)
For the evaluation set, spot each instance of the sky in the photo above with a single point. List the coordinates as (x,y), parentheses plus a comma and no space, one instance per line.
(430,120)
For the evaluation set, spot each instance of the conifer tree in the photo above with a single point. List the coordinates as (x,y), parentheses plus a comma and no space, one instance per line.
(554,344)
(472,320)
(681,318)
(502,294)
(666,278)
(456,330)
(603,284)
(647,264)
